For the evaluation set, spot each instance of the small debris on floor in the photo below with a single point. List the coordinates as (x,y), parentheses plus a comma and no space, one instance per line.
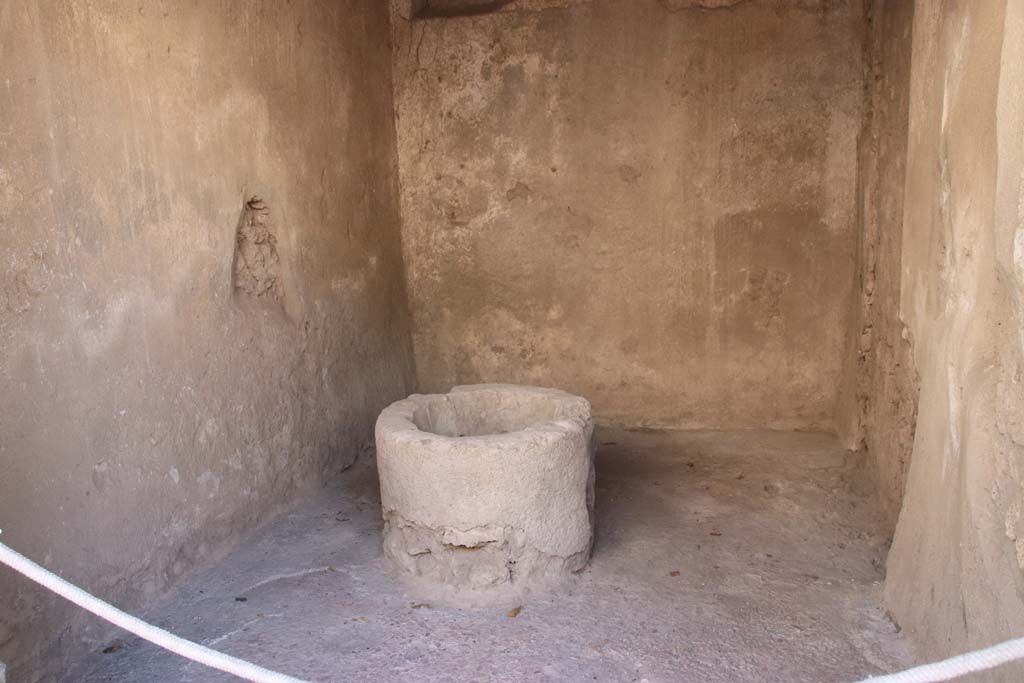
(113,647)
(673,573)
(514,612)
(241,599)
(726,590)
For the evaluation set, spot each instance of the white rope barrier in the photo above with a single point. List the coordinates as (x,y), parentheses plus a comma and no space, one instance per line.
(946,670)
(157,636)
(960,665)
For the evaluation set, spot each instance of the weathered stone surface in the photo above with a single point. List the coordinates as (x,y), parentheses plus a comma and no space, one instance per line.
(653,208)
(155,403)
(955,578)
(487,491)
(878,409)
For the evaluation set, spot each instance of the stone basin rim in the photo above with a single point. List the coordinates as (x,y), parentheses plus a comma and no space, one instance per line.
(397,421)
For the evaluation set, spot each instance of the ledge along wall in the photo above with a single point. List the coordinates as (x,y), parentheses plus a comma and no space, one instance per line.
(202,306)
(649,203)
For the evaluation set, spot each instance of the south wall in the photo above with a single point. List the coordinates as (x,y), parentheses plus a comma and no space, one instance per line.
(169,374)
(649,203)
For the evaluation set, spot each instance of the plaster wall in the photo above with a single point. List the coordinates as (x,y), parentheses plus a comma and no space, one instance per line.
(169,374)
(649,203)
(878,405)
(956,569)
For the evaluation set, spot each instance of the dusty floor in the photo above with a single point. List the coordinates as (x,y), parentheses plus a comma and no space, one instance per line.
(719,557)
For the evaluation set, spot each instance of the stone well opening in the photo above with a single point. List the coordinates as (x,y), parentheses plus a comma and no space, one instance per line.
(493,410)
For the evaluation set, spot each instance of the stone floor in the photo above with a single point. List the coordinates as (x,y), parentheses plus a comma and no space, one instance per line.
(719,557)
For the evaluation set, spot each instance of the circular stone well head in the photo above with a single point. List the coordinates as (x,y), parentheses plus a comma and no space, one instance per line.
(487,491)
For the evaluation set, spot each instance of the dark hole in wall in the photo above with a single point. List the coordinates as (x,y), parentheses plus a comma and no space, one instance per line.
(425,9)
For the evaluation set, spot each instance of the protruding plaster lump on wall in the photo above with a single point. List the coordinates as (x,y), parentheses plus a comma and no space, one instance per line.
(675,5)
(257,266)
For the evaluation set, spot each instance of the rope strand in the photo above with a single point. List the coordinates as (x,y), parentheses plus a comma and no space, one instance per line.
(157,636)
